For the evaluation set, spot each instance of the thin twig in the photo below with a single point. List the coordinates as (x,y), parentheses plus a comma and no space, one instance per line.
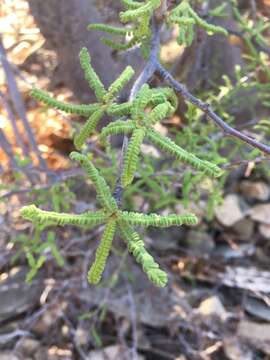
(19,104)
(227,129)
(14,125)
(7,148)
(259,47)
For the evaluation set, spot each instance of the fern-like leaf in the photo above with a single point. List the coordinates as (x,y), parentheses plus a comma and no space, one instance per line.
(159,113)
(167,145)
(102,253)
(120,46)
(137,249)
(130,4)
(207,26)
(132,156)
(117,127)
(88,128)
(109,29)
(119,109)
(145,9)
(43,96)
(155,220)
(91,76)
(140,103)
(103,191)
(47,218)
(120,82)
(160,95)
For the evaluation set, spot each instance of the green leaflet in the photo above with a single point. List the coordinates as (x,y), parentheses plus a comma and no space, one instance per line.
(160,95)
(167,145)
(88,128)
(119,83)
(117,127)
(159,113)
(132,156)
(47,218)
(139,13)
(91,76)
(120,109)
(103,191)
(102,253)
(140,103)
(119,46)
(43,96)
(205,25)
(138,219)
(144,9)
(186,18)
(136,247)
(109,29)
(130,4)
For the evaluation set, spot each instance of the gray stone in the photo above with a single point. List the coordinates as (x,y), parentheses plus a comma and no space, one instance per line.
(244,228)
(258,190)
(200,242)
(17,296)
(261,213)
(264,230)
(231,211)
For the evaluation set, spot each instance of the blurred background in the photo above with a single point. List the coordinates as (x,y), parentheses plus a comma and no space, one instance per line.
(217,303)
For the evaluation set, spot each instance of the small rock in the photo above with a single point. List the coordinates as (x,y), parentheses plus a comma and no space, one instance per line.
(258,190)
(48,319)
(17,296)
(28,346)
(261,213)
(165,239)
(110,353)
(150,150)
(213,306)
(264,230)
(81,336)
(244,228)
(8,356)
(258,334)
(200,242)
(235,350)
(231,211)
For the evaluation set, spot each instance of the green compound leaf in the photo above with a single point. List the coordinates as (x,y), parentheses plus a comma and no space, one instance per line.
(132,156)
(119,46)
(117,127)
(206,26)
(167,145)
(137,249)
(84,110)
(130,4)
(120,109)
(155,220)
(145,9)
(119,83)
(103,191)
(140,103)
(160,95)
(91,76)
(186,18)
(159,113)
(102,253)
(48,218)
(88,128)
